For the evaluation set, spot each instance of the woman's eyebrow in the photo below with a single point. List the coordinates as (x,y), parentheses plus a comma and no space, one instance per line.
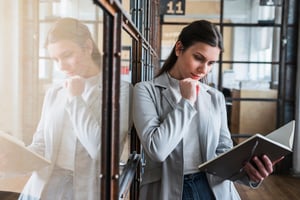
(64,53)
(202,56)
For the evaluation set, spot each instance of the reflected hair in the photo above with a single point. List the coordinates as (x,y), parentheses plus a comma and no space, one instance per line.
(197,31)
(75,31)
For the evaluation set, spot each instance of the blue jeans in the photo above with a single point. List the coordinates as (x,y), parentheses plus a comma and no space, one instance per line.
(196,187)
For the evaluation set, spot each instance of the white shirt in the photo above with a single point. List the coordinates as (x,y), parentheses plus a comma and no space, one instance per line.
(191,145)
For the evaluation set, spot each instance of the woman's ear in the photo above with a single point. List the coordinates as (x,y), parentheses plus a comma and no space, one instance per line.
(178,48)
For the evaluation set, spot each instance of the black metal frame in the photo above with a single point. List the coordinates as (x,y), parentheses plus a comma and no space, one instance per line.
(116,19)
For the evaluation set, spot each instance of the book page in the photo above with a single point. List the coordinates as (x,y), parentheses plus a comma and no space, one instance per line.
(284,135)
(11,138)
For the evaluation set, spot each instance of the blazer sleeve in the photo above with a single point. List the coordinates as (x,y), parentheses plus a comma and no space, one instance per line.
(159,136)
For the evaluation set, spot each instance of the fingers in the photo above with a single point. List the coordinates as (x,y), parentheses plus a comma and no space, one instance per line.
(252,172)
(264,166)
(259,168)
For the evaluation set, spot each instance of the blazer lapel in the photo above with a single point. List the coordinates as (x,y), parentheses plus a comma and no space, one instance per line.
(163,82)
(169,96)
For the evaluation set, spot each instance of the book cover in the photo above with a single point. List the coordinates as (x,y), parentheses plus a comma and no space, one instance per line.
(16,158)
(229,165)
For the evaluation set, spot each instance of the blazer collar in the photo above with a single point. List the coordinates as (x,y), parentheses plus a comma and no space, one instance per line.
(163,82)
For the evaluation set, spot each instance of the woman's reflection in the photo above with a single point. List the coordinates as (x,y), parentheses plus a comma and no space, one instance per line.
(68,133)
(125,120)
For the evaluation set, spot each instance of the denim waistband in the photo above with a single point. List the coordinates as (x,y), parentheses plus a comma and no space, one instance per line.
(194,176)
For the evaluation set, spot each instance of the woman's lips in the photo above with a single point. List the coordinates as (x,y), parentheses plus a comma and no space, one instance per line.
(69,73)
(196,77)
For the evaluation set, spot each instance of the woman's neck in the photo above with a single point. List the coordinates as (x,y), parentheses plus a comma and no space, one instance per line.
(174,73)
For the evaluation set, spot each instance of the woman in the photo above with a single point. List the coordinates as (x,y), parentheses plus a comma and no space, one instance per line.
(68,133)
(182,123)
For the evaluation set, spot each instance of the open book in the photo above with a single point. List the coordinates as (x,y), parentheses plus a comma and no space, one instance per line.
(16,158)
(229,165)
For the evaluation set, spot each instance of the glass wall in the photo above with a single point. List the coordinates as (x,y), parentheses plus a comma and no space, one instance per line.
(133,31)
(46,127)
(250,63)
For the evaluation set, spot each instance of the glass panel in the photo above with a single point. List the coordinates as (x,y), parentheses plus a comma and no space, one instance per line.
(53,94)
(251,12)
(126,6)
(213,76)
(126,89)
(250,76)
(146,21)
(169,37)
(256,44)
(125,97)
(140,22)
(79,9)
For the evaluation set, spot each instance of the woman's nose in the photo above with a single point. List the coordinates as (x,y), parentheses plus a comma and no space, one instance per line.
(62,65)
(203,68)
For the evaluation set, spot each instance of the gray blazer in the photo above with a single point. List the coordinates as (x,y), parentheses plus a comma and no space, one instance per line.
(160,123)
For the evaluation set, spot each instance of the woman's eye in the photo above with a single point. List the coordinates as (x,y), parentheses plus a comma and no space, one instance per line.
(67,55)
(199,58)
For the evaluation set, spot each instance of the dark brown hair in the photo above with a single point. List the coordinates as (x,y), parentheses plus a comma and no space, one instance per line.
(197,31)
(72,29)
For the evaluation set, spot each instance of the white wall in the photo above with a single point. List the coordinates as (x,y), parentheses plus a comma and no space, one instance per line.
(9,66)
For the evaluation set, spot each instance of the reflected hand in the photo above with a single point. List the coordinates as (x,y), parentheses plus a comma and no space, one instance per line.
(261,168)
(75,85)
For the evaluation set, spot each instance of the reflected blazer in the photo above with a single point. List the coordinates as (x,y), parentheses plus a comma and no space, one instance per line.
(85,117)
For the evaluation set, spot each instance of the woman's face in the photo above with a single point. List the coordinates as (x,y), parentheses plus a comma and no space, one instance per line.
(194,62)
(71,58)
